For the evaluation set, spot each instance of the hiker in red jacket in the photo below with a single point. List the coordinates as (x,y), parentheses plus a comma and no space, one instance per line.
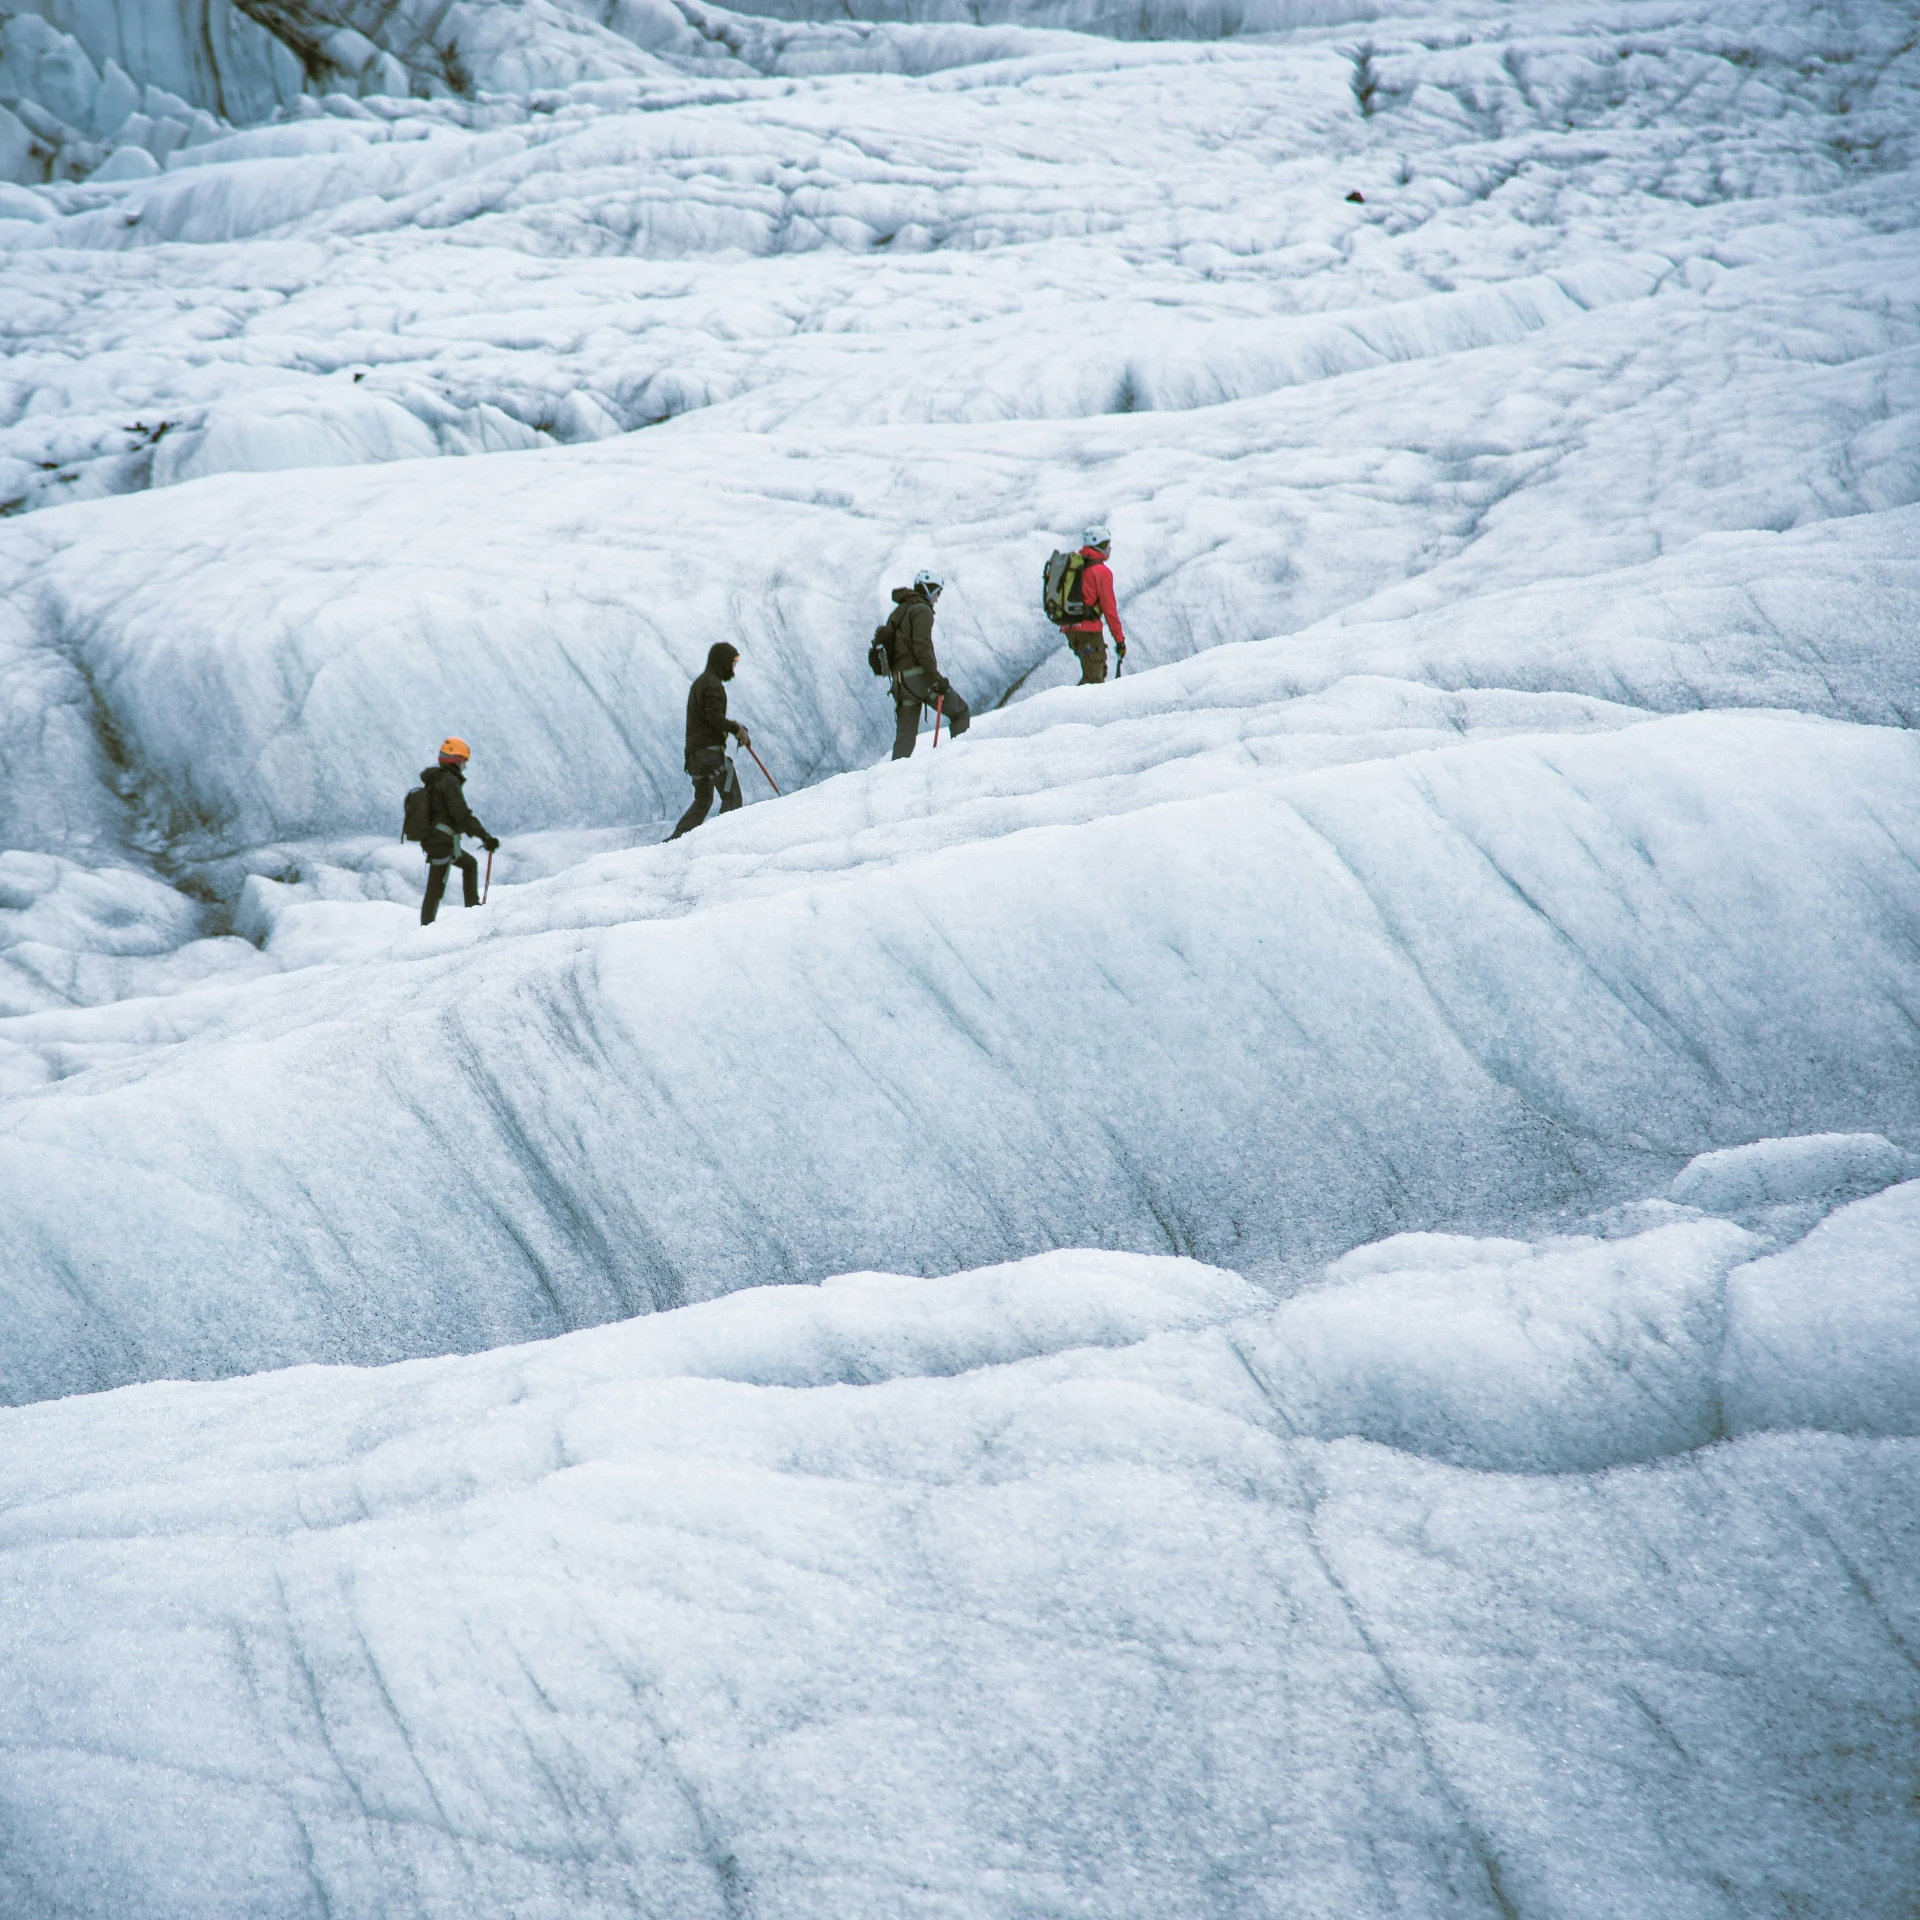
(1096,591)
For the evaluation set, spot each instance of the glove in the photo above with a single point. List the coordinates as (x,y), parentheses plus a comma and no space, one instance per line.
(743,736)
(1120,647)
(490,843)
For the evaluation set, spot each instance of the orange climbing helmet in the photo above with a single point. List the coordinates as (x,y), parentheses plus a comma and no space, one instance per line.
(454,752)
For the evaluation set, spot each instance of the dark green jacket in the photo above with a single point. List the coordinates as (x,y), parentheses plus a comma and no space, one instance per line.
(910,641)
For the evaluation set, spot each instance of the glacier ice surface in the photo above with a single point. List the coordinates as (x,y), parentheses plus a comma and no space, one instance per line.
(1283,1287)
(970,1595)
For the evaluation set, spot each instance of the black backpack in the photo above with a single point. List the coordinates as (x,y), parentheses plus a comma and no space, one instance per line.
(1060,597)
(415,817)
(880,648)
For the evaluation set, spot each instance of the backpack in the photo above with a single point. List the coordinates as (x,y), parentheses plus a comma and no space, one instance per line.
(1060,597)
(415,818)
(880,649)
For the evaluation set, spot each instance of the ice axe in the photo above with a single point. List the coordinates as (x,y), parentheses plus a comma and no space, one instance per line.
(762,765)
(488,884)
(937,705)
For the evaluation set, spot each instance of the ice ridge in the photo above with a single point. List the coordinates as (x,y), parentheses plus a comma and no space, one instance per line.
(593,1625)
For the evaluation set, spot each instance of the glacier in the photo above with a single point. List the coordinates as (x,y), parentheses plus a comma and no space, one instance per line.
(1023,1590)
(1285,1286)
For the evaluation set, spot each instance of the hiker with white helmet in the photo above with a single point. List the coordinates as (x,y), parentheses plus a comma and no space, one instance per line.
(1083,597)
(918,683)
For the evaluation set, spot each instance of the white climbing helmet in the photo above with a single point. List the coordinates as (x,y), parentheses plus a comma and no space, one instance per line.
(929,580)
(1097,536)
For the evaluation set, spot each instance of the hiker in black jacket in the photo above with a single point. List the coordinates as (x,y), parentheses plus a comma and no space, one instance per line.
(707,729)
(918,682)
(448,817)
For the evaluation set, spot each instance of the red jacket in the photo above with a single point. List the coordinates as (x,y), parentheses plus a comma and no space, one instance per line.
(1096,588)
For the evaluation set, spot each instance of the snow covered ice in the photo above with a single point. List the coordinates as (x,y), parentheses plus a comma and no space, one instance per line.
(1289,1286)
(1016,1591)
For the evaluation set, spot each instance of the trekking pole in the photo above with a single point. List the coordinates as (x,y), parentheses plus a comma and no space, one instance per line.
(937,705)
(762,765)
(489,880)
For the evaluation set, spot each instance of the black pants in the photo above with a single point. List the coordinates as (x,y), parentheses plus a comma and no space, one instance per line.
(724,782)
(913,692)
(437,871)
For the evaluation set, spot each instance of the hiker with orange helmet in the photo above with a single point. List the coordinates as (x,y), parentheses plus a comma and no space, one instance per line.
(448,817)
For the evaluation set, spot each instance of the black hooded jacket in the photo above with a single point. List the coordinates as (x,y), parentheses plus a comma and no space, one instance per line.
(447,809)
(707,722)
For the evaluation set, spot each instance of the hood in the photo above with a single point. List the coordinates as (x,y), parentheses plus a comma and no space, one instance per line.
(428,775)
(1099,554)
(720,656)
